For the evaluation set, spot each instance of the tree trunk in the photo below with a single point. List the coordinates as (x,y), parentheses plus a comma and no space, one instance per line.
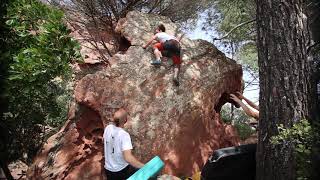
(6,170)
(314,52)
(284,82)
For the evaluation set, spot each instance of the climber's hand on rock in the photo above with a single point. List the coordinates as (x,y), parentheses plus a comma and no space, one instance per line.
(234,97)
(240,96)
(144,46)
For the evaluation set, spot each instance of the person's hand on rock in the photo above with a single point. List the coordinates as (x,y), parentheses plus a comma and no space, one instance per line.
(234,97)
(240,96)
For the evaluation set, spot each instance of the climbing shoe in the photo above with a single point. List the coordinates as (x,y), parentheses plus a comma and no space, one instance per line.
(156,62)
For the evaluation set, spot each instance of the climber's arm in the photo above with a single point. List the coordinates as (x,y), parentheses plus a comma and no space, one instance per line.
(252,104)
(150,41)
(245,108)
(133,161)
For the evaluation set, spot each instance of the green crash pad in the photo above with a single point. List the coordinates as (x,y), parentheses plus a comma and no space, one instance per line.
(151,169)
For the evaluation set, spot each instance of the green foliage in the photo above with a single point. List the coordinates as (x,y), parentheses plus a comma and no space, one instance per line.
(239,119)
(234,12)
(39,52)
(238,115)
(244,130)
(225,114)
(302,135)
(248,54)
(241,41)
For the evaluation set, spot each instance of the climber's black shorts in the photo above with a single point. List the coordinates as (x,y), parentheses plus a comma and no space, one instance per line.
(123,174)
(170,48)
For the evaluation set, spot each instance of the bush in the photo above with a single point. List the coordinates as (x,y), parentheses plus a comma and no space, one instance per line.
(39,49)
(302,135)
(244,130)
(239,120)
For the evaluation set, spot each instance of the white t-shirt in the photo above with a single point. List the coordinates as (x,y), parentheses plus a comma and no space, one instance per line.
(163,37)
(115,141)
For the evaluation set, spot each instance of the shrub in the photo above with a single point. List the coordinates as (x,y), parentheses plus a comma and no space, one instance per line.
(39,49)
(302,135)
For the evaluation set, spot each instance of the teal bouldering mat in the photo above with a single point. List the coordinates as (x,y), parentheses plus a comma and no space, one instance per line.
(151,169)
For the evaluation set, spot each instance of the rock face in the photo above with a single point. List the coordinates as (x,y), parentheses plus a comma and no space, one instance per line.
(180,124)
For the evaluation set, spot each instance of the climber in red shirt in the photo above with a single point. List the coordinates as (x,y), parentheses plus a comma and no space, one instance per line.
(167,43)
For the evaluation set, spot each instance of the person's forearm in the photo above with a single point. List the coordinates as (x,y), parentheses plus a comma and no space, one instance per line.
(134,162)
(149,42)
(255,115)
(251,103)
(247,110)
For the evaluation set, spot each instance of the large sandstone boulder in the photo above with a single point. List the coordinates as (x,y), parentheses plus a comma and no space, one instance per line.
(181,124)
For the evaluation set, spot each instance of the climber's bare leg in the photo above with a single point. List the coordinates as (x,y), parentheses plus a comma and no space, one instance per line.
(158,54)
(176,74)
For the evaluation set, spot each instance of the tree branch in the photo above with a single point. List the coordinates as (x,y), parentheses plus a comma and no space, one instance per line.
(236,27)
(156,4)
